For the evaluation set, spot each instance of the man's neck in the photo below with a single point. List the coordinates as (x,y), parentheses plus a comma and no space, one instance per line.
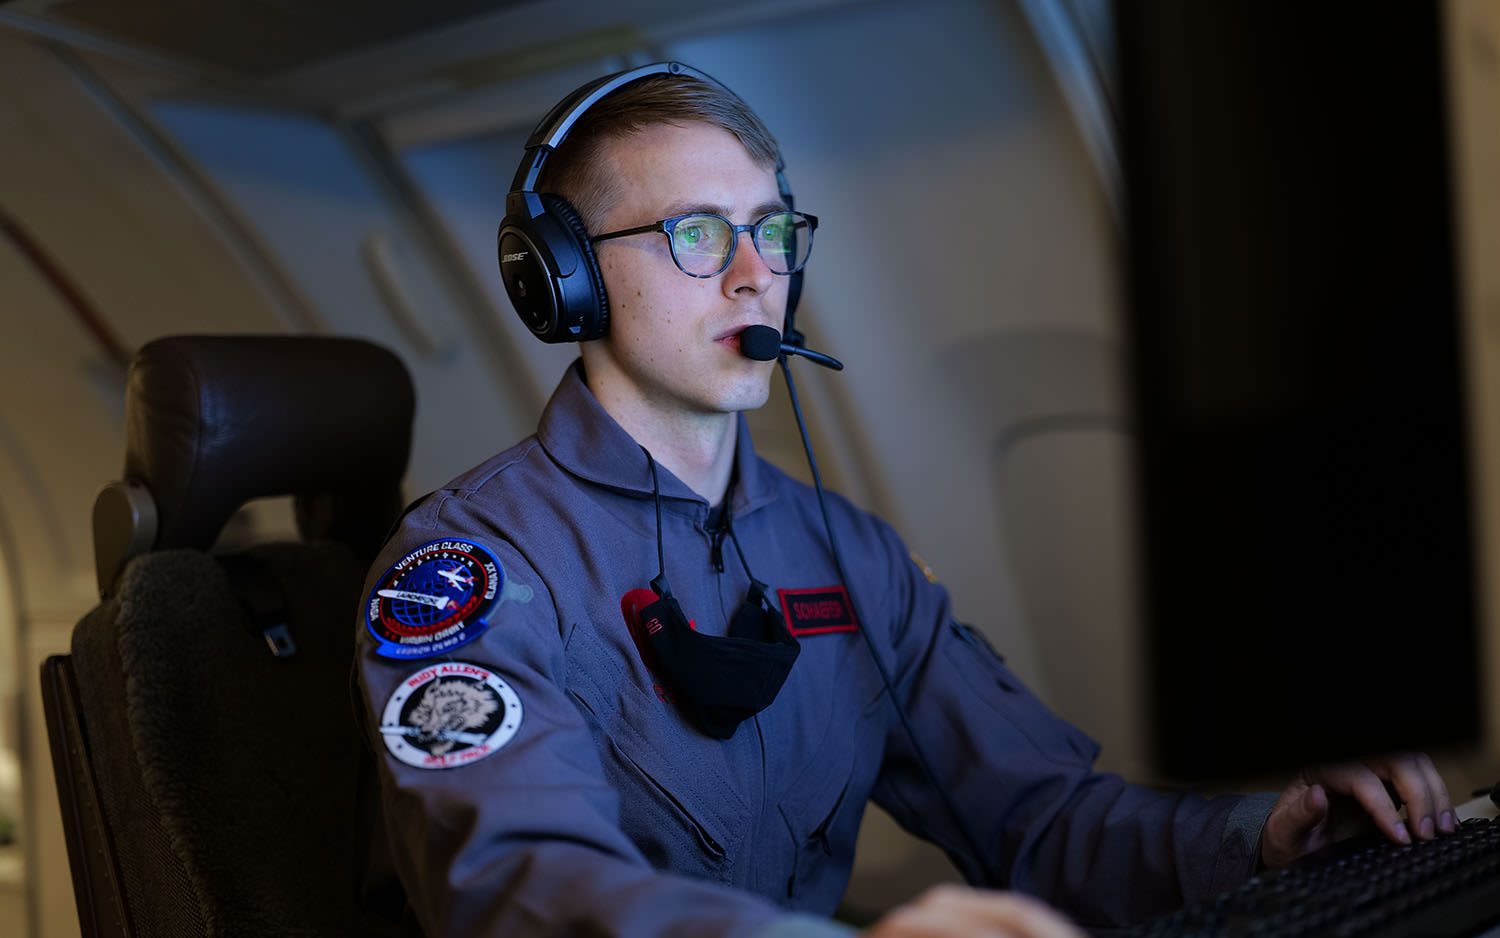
(700,452)
(696,448)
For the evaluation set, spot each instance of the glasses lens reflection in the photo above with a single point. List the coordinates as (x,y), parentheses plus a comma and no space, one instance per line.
(784,241)
(702,244)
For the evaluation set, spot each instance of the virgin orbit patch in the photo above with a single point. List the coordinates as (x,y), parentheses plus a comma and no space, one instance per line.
(438,597)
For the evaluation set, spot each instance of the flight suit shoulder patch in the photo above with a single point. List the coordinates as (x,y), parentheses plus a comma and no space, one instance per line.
(438,597)
(449,714)
(924,566)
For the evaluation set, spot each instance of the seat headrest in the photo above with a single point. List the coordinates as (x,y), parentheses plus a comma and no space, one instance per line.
(212,422)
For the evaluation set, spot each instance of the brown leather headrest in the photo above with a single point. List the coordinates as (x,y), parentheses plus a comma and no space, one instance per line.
(214,421)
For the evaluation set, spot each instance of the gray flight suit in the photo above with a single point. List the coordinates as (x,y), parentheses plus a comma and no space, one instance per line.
(599,810)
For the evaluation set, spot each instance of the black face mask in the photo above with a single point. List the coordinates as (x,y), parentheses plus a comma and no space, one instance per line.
(718,682)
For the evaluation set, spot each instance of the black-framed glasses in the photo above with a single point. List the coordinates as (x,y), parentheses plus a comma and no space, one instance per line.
(703,244)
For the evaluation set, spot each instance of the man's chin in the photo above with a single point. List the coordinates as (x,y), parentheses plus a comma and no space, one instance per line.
(749,397)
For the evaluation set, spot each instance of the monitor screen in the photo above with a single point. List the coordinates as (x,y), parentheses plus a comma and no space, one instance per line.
(1296,374)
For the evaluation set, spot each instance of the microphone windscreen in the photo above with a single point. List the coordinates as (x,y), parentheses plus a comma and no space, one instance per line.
(760,343)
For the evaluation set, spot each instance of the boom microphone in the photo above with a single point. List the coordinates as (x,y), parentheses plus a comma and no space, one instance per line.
(760,343)
(763,344)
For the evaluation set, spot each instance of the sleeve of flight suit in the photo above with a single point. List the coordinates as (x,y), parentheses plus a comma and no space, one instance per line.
(526,841)
(1038,818)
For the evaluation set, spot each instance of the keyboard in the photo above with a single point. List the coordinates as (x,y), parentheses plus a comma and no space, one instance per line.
(1367,888)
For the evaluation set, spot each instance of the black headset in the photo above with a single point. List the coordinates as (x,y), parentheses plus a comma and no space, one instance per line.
(546,261)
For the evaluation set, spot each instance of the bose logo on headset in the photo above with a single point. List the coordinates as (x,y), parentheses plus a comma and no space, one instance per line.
(546,261)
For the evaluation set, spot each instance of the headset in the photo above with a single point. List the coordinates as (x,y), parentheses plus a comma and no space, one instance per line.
(546,261)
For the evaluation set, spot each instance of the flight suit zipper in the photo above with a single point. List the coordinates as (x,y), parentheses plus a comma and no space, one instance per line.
(716,547)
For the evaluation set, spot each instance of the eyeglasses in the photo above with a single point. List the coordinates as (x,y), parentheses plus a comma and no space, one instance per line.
(703,244)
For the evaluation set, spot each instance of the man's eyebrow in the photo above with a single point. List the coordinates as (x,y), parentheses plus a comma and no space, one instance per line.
(703,208)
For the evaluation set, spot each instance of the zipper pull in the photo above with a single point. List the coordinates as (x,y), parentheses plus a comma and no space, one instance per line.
(716,548)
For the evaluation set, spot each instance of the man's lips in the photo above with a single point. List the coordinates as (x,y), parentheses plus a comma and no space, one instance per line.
(731,339)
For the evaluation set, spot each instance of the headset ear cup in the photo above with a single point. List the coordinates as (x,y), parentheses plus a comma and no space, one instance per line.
(594,315)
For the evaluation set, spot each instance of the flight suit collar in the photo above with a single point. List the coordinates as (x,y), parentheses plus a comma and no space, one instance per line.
(581,436)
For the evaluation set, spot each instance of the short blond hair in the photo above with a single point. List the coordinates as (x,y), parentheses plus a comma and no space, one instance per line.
(577,171)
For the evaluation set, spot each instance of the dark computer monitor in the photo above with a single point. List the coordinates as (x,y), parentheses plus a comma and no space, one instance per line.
(1297,377)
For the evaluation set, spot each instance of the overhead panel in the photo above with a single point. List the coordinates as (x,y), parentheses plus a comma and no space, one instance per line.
(260,38)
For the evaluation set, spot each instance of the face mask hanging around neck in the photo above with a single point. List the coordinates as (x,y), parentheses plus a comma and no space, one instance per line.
(718,681)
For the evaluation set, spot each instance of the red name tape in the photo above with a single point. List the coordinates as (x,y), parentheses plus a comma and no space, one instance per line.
(817,611)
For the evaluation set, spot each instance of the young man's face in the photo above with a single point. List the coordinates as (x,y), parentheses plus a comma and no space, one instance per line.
(673,340)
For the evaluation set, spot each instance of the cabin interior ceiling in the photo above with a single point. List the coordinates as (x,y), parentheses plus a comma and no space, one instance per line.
(258,38)
(344,57)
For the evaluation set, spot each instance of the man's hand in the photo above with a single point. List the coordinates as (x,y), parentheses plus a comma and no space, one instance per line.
(960,912)
(1329,803)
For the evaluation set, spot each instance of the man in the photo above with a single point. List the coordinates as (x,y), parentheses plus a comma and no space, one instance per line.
(562,754)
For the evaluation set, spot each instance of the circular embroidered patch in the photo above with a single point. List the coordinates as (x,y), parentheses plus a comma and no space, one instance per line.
(450,714)
(434,599)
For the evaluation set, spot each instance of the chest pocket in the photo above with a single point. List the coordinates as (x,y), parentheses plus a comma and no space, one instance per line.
(823,807)
(676,803)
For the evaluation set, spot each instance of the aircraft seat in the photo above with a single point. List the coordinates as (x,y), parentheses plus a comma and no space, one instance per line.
(212,777)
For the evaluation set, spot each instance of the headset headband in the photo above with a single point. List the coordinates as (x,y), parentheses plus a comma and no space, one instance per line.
(553,127)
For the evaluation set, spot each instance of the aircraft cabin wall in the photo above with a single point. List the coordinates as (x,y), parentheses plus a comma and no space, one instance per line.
(965,271)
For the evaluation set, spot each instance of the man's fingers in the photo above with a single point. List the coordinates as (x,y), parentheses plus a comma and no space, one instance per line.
(1031,919)
(1418,783)
(1312,808)
(958,912)
(1361,783)
(1413,788)
(1313,812)
(1442,802)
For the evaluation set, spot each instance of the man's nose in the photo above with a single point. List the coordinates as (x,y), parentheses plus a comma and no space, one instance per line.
(747,270)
